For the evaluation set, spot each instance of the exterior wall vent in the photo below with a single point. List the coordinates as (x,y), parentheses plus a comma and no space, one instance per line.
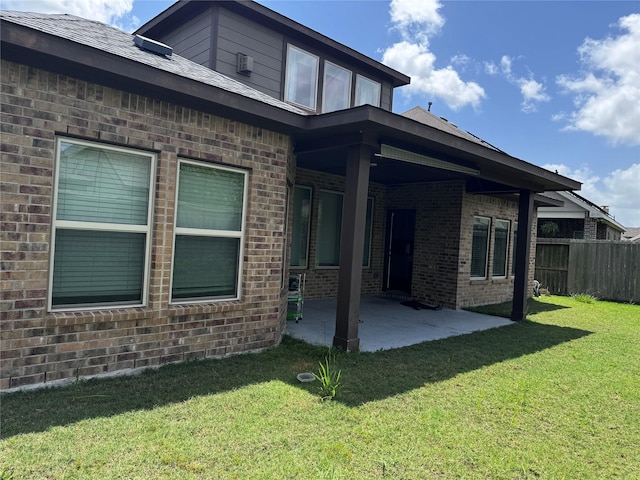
(152,46)
(245,64)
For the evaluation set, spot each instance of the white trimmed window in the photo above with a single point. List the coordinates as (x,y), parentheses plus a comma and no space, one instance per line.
(336,90)
(480,247)
(301,224)
(301,81)
(367,92)
(500,248)
(330,230)
(101,227)
(209,233)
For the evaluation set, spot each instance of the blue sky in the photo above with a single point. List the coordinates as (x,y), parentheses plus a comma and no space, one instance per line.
(553,83)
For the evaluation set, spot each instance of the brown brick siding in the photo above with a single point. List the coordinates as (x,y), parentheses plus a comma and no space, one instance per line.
(437,205)
(489,290)
(40,347)
(442,247)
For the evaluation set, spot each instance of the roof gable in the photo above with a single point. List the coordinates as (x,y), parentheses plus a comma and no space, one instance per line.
(110,40)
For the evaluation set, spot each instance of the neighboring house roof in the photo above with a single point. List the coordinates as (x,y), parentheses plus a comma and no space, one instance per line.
(95,52)
(576,206)
(632,234)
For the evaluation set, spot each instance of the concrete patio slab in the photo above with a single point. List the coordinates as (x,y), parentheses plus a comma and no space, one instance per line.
(387,324)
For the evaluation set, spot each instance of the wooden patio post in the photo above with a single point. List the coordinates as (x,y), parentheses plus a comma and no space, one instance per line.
(354,212)
(523,249)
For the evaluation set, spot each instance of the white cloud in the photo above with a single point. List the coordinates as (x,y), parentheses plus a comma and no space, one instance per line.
(532,92)
(114,12)
(416,20)
(491,68)
(606,95)
(619,190)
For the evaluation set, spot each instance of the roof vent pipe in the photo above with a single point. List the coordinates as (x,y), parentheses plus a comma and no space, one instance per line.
(152,46)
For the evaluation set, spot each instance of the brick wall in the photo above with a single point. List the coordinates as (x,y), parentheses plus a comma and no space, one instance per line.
(40,347)
(489,290)
(437,237)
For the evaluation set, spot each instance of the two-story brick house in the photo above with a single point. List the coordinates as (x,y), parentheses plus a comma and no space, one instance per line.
(155,200)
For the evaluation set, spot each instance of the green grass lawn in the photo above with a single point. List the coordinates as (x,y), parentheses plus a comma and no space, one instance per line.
(553,397)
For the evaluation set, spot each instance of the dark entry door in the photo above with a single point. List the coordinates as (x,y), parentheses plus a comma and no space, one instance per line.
(401,226)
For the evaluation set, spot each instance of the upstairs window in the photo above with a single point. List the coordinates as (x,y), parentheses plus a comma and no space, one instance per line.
(101,226)
(336,94)
(301,82)
(367,92)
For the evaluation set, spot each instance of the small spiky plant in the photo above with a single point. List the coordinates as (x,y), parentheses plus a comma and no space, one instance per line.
(329,378)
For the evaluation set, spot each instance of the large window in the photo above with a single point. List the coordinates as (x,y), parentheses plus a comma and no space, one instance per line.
(300,229)
(367,92)
(209,232)
(336,93)
(500,248)
(330,230)
(101,226)
(479,247)
(301,83)
(513,249)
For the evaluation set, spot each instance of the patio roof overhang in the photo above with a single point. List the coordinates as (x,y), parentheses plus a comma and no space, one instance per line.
(322,146)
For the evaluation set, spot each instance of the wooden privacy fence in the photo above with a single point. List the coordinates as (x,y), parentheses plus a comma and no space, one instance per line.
(605,269)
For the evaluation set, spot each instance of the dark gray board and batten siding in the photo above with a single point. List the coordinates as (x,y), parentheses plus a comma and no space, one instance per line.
(237,34)
(192,39)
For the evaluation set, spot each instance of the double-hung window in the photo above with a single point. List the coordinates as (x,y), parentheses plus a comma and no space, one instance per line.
(367,92)
(301,82)
(480,247)
(209,232)
(101,227)
(330,230)
(500,248)
(301,224)
(336,92)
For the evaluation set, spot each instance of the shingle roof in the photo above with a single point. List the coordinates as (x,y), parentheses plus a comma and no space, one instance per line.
(421,115)
(111,40)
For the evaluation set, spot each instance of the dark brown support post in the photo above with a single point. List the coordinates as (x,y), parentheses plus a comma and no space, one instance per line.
(354,213)
(523,249)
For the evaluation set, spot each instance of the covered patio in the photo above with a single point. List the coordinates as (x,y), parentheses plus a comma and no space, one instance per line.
(386,323)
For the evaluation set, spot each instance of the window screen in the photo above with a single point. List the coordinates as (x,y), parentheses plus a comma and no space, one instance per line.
(300,229)
(337,88)
(209,229)
(500,248)
(301,81)
(479,247)
(101,226)
(330,230)
(367,91)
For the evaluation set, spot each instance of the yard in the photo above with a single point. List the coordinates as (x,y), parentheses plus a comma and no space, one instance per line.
(556,396)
